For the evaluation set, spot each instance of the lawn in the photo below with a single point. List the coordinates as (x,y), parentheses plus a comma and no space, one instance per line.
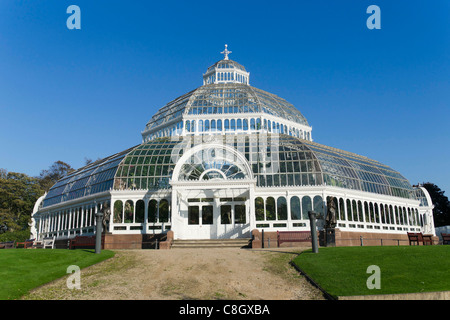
(342,271)
(24,269)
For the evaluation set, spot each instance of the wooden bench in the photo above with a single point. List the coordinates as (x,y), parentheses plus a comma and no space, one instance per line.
(414,238)
(427,239)
(445,238)
(26,244)
(293,236)
(48,243)
(418,237)
(83,241)
(7,245)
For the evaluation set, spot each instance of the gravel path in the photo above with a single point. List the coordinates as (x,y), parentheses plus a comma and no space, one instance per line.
(225,273)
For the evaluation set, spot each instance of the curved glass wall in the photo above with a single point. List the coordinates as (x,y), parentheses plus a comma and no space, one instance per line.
(275,160)
(352,171)
(93,178)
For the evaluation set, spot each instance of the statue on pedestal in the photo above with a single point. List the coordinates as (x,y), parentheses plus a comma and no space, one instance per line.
(330,221)
(106,210)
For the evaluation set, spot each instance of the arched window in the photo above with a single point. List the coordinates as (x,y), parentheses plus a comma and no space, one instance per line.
(188,126)
(252,124)
(140,211)
(200,125)
(377,215)
(306,207)
(118,211)
(270,208)
(258,124)
(233,125)
(206,129)
(129,211)
(245,125)
(366,212)
(213,125)
(219,125)
(360,212)
(349,210)
(383,218)
(397,218)
(152,210)
(164,211)
(318,205)
(391,214)
(259,209)
(227,125)
(295,208)
(193,126)
(355,210)
(341,209)
(281,208)
(372,214)
(239,124)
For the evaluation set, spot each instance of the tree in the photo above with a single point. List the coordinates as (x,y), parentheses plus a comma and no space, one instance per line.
(441,211)
(18,194)
(57,170)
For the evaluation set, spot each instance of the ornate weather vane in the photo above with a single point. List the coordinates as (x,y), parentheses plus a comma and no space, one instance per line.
(226,52)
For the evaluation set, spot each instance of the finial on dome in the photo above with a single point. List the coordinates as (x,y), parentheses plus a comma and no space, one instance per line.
(226,52)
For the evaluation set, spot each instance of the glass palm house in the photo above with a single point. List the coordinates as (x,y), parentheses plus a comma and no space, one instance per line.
(226,159)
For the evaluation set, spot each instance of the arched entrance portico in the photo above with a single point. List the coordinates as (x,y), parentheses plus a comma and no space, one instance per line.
(212,188)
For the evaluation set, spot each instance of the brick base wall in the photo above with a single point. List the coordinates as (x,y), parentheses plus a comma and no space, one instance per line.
(342,239)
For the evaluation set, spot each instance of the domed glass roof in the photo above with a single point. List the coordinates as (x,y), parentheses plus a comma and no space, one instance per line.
(230,98)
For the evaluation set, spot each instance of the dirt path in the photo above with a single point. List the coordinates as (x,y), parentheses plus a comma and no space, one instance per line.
(224,273)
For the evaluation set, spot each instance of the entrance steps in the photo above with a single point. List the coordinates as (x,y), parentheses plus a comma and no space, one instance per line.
(212,243)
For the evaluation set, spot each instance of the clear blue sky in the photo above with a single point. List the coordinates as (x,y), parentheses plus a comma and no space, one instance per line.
(75,94)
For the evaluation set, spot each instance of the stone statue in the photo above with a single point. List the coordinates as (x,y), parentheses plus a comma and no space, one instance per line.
(330,221)
(106,210)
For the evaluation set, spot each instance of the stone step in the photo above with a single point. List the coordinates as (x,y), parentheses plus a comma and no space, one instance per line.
(212,243)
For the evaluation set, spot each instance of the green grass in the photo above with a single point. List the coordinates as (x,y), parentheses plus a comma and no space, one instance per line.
(342,271)
(24,269)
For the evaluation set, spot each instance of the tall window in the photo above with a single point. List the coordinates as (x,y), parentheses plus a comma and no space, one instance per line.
(295,208)
(349,210)
(306,207)
(140,211)
(152,210)
(164,211)
(225,214)
(281,208)
(118,211)
(318,206)
(341,209)
(270,208)
(259,209)
(240,214)
(129,211)
(193,215)
(207,215)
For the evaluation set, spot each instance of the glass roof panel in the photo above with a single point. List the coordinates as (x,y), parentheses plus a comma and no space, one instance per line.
(93,178)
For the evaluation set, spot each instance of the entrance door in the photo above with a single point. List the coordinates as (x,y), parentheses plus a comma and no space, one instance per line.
(201,219)
(219,219)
